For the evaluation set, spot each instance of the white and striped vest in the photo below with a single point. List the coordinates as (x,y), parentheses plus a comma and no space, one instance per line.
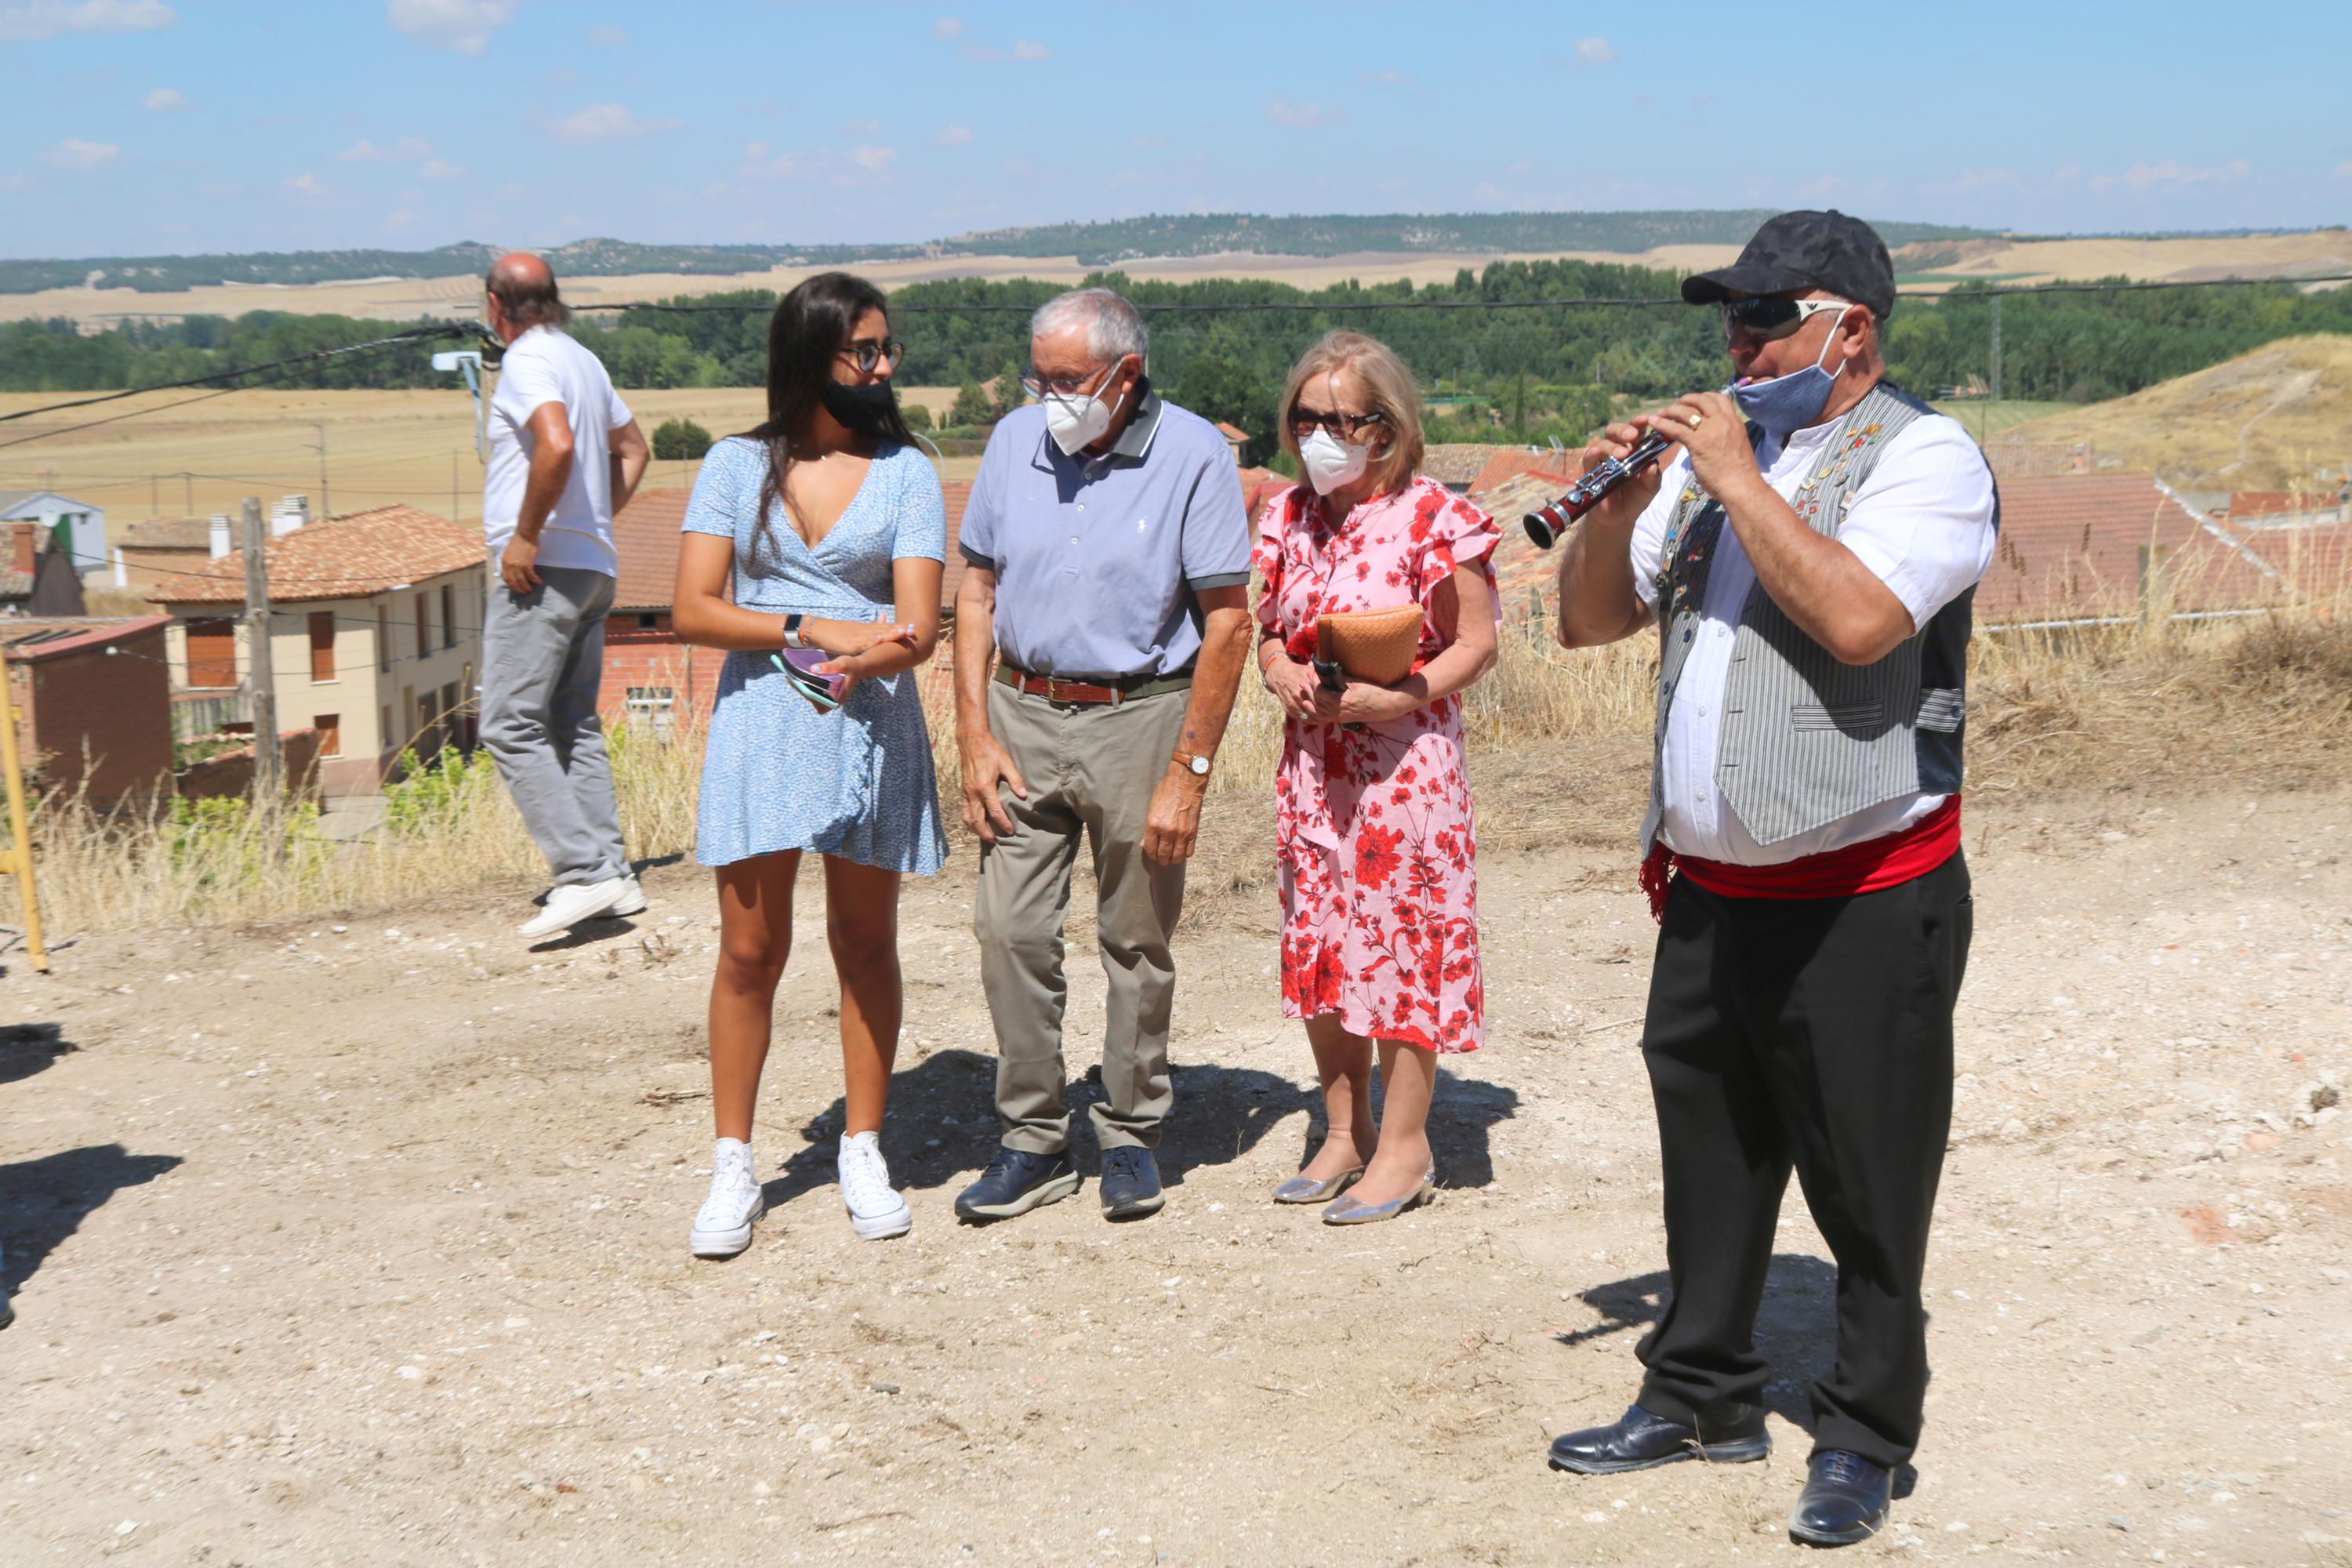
(1805,739)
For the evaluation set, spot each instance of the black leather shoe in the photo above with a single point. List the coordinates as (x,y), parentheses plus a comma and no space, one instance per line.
(1640,1440)
(1129,1187)
(1016,1182)
(1844,1499)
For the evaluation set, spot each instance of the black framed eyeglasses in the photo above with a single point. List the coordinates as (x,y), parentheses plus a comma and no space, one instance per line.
(1306,421)
(869,353)
(1771,316)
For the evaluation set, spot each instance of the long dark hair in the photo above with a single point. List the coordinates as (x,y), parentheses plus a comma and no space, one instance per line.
(811,325)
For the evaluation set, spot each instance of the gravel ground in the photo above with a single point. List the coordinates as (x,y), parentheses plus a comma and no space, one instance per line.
(364,1243)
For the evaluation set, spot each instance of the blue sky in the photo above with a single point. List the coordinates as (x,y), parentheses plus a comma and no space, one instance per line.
(142,126)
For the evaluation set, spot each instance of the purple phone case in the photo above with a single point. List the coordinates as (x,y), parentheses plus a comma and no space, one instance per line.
(805,661)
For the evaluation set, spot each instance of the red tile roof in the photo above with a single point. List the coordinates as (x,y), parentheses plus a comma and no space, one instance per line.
(30,641)
(1452,463)
(1509,463)
(164,533)
(354,556)
(2271,503)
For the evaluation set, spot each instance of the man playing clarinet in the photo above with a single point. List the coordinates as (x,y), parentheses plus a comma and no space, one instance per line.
(1807,553)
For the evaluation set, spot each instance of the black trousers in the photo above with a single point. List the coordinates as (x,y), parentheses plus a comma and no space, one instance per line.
(1817,1033)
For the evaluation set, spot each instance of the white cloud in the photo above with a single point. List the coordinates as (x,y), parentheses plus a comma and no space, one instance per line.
(612,37)
(48,18)
(2170,172)
(306,184)
(163,101)
(953,136)
(762,162)
(873,160)
(861,128)
(408,150)
(989,54)
(82,157)
(1305,116)
(464,25)
(1594,51)
(948,28)
(1971,180)
(23,184)
(605,123)
(2344,169)
(440,169)
(1382,79)
(400,221)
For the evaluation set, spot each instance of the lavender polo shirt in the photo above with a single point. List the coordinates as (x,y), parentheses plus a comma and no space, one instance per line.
(1099,560)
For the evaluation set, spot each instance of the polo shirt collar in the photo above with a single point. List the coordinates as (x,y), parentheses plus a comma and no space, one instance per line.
(1135,441)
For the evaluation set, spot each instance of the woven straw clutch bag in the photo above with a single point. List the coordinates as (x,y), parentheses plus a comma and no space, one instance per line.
(1377,646)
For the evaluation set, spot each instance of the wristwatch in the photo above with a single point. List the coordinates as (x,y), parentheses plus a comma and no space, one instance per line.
(792,637)
(1194,764)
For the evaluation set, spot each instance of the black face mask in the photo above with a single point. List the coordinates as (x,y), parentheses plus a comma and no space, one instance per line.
(862,410)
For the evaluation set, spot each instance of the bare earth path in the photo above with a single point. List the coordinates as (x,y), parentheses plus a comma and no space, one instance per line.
(367,1247)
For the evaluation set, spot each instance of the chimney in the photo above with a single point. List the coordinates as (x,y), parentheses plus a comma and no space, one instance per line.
(218,536)
(291,513)
(24,542)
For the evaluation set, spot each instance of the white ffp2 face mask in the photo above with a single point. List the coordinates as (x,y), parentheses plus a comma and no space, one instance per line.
(1330,462)
(1077,422)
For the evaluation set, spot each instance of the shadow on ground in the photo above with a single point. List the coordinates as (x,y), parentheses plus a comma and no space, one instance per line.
(943,1123)
(28,1049)
(44,1200)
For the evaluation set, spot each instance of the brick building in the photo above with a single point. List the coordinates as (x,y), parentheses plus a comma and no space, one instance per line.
(93,700)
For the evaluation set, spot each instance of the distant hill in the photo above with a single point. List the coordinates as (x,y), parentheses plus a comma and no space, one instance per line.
(1093,243)
(2277,418)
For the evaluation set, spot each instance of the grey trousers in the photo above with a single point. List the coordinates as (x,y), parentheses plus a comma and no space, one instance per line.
(1091,772)
(543,661)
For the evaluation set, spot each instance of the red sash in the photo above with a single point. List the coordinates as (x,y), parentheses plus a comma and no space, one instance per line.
(1885,861)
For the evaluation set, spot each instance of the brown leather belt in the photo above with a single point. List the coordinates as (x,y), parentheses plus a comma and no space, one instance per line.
(1081,694)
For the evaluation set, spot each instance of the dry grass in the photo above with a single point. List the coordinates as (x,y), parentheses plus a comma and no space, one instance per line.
(1559,750)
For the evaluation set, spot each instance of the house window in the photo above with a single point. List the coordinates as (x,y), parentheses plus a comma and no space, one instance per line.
(423,626)
(212,652)
(329,727)
(383,637)
(449,615)
(653,707)
(322,645)
(452,735)
(383,732)
(648,623)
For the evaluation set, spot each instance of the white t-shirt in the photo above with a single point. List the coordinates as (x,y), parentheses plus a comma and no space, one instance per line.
(1922,522)
(545,366)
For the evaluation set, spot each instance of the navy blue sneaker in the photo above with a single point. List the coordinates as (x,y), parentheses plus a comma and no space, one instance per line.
(1017,1182)
(1130,1182)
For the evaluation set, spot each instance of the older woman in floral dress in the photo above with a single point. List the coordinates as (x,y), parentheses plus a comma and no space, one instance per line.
(1375,843)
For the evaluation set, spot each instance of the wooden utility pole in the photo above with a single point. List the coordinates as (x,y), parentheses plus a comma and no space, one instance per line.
(261,682)
(19,857)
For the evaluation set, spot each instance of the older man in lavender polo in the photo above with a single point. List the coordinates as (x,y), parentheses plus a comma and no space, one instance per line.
(1109,559)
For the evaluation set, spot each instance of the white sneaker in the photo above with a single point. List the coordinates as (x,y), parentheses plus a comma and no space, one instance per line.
(723,1228)
(569,904)
(876,1213)
(632,901)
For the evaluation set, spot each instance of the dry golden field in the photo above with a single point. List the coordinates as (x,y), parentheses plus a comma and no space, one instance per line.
(2265,420)
(2320,252)
(381,447)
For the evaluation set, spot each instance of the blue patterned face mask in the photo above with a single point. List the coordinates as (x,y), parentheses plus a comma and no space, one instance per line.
(1784,403)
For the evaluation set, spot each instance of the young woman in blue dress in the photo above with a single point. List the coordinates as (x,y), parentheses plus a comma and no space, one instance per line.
(829,524)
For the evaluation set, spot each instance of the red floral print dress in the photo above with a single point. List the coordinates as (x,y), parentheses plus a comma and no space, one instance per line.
(1372,824)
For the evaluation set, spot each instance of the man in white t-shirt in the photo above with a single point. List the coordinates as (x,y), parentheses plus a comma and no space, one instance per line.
(565,455)
(1806,556)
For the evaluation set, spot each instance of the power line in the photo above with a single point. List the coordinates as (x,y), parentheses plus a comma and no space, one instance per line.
(315,356)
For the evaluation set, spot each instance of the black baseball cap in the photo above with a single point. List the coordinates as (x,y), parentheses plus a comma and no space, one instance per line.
(1806,250)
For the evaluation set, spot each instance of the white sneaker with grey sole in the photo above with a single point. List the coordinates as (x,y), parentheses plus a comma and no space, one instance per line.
(723,1227)
(875,1211)
(572,902)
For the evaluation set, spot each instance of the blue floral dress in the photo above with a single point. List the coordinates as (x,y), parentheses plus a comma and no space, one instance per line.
(776,774)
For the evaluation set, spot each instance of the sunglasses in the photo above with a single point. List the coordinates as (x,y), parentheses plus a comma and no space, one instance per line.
(1772,316)
(1306,421)
(869,353)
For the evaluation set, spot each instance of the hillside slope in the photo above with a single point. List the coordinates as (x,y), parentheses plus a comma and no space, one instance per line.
(2271,419)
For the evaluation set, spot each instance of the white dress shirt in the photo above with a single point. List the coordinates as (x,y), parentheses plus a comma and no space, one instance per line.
(1922,523)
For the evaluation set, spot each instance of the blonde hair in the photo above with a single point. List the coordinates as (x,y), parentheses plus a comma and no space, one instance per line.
(1388,385)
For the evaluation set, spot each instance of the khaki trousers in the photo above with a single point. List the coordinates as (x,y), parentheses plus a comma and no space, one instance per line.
(1090,771)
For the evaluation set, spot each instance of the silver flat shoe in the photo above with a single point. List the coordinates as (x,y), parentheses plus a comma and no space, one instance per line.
(1307,1190)
(1348,1211)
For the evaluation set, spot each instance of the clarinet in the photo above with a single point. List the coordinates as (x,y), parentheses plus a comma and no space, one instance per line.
(1547,522)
